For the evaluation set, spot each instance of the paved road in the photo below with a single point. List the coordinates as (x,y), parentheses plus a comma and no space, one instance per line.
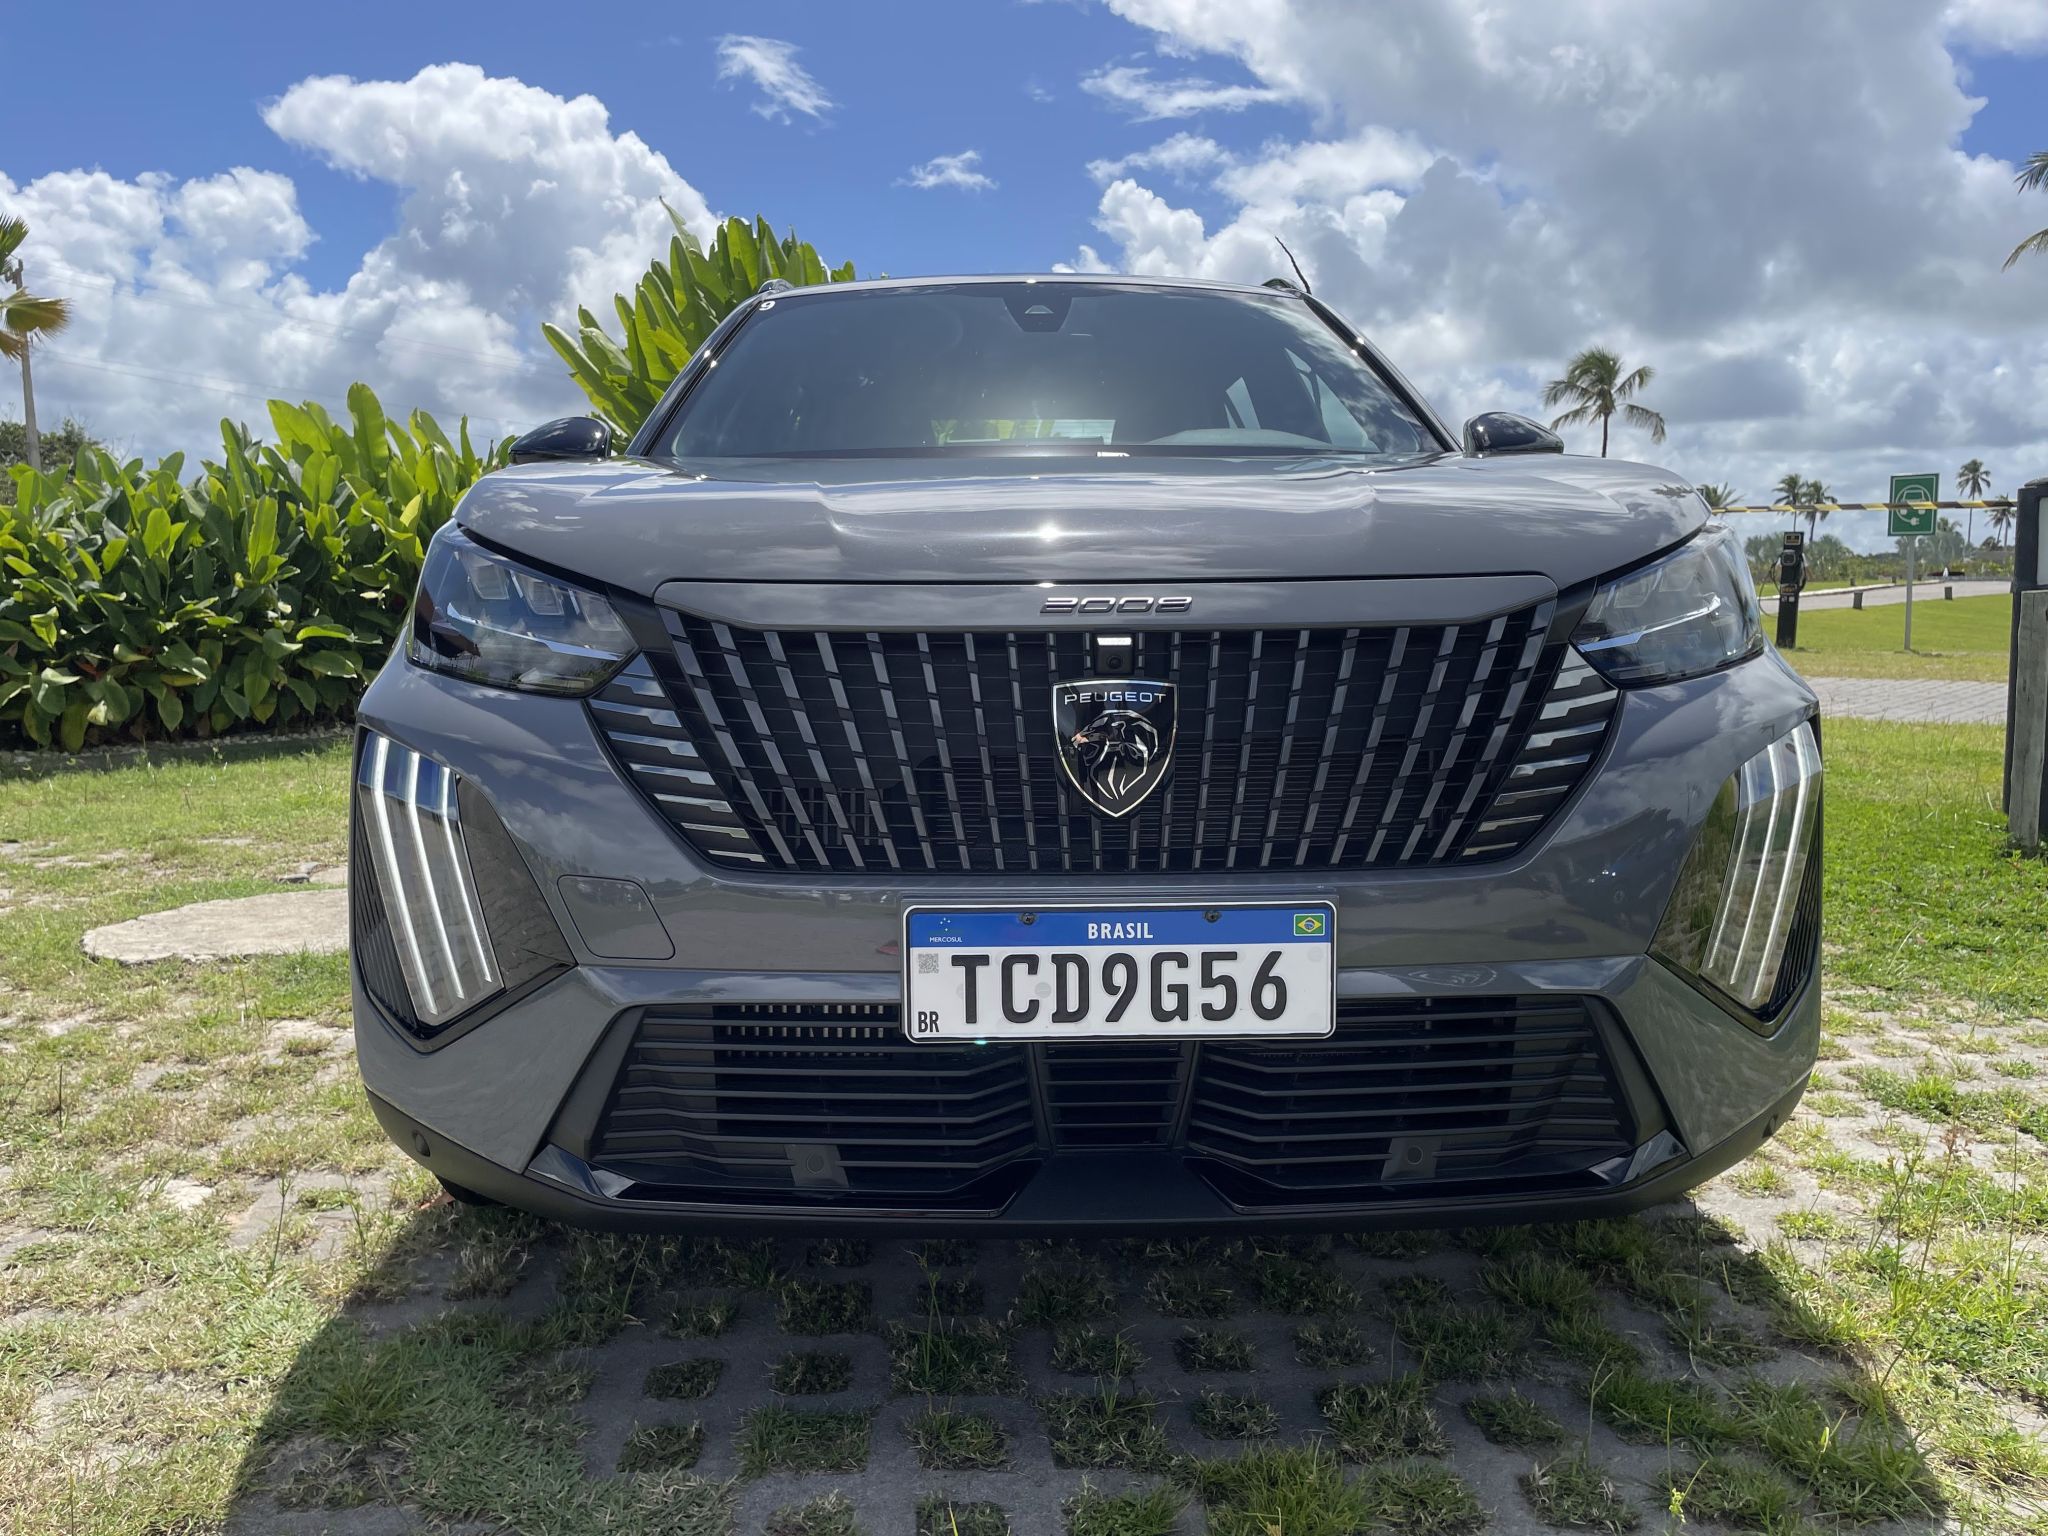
(1888,698)
(1924,591)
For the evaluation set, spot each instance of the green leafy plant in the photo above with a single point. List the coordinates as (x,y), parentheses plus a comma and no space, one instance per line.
(262,591)
(674,308)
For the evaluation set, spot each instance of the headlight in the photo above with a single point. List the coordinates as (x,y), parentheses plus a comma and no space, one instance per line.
(1738,894)
(482,617)
(1690,613)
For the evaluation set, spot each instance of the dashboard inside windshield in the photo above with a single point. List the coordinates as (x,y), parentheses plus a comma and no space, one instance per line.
(1041,367)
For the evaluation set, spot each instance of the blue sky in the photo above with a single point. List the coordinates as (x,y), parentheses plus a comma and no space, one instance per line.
(930,79)
(1485,190)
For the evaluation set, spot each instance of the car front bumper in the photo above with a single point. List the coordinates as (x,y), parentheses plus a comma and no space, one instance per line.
(514,1102)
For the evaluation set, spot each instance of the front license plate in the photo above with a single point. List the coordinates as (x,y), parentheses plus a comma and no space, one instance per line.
(1119,973)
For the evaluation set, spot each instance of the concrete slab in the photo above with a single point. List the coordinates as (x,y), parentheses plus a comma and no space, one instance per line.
(286,923)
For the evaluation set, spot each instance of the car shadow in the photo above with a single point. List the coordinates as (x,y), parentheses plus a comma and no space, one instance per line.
(491,1371)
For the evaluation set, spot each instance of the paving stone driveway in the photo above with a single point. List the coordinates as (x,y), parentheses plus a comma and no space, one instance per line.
(1888,698)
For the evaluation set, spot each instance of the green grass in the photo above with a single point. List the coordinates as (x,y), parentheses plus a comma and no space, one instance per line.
(778,1439)
(1082,1349)
(1574,1494)
(662,1448)
(1331,1346)
(1295,1490)
(1234,1416)
(1203,1350)
(938,1515)
(375,1347)
(1105,1430)
(684,1378)
(1372,1421)
(811,1373)
(1140,1512)
(948,1441)
(1921,898)
(1508,1418)
(1968,639)
(948,1358)
(829,1515)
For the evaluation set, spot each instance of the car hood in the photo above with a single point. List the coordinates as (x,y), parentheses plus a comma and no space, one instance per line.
(636,523)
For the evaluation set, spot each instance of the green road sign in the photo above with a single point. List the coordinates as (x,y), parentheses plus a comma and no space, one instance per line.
(1905,520)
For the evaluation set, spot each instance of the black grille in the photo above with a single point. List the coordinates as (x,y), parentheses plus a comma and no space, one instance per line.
(1432,1096)
(835,1102)
(1408,1097)
(934,752)
(1802,940)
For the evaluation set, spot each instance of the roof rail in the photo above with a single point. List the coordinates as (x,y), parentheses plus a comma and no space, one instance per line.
(1282,284)
(775,285)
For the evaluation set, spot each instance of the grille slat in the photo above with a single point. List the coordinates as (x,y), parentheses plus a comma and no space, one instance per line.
(1514,1092)
(934,752)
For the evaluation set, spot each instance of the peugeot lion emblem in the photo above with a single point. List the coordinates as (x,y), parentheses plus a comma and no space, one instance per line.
(1115,739)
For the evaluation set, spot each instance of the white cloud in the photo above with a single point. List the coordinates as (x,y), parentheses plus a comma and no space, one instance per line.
(2015,26)
(1813,274)
(785,85)
(955,171)
(515,205)
(1148,100)
(1182,156)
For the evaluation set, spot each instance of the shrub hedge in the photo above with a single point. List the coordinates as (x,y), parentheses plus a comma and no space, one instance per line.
(137,603)
(267,589)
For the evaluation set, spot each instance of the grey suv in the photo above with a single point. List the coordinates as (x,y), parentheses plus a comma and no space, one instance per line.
(1075,753)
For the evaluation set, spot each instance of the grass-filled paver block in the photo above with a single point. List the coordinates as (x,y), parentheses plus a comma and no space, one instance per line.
(811,1373)
(830,1515)
(684,1378)
(1508,1418)
(1331,1346)
(816,1308)
(1083,1349)
(1064,1293)
(948,1440)
(702,1317)
(1574,1493)
(671,1447)
(1105,1430)
(1298,1490)
(1378,1420)
(1213,1349)
(1190,1290)
(1136,1512)
(938,1515)
(953,1359)
(1229,1416)
(774,1438)
(1420,1499)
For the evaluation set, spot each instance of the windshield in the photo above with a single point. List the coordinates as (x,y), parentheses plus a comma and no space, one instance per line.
(1042,367)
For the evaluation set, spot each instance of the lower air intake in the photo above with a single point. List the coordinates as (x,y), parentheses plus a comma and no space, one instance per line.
(1411,1096)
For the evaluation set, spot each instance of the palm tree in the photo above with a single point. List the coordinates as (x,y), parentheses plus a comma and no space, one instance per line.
(1790,491)
(23,317)
(1973,479)
(1718,496)
(1813,496)
(2032,179)
(1595,388)
(2001,519)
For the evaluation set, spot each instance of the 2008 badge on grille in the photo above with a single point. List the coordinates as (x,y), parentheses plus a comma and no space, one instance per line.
(1115,738)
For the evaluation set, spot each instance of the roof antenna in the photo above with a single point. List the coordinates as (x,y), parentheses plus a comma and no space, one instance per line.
(1294,264)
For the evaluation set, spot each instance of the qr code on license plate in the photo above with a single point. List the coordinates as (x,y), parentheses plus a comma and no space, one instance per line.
(927,965)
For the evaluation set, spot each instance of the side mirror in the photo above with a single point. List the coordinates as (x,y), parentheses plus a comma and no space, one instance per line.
(1505,432)
(566,437)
